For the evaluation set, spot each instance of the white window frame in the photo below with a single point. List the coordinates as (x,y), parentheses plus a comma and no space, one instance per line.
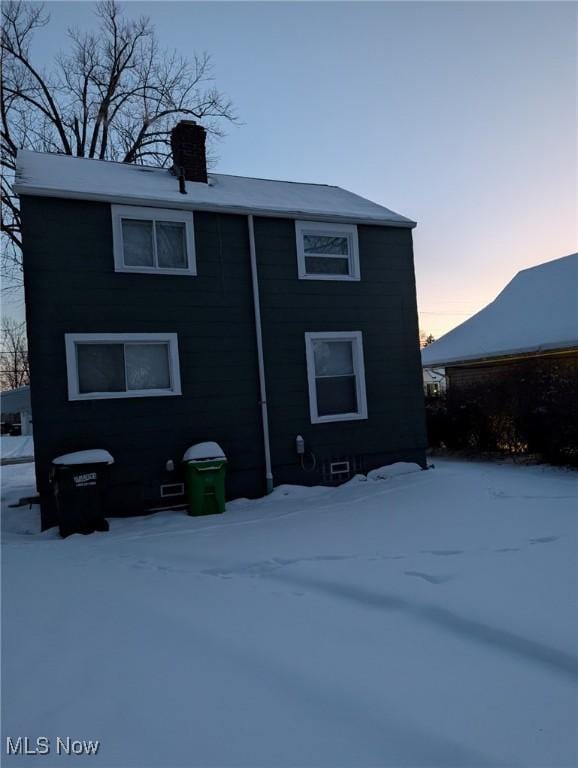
(72,340)
(358,368)
(303,228)
(120,212)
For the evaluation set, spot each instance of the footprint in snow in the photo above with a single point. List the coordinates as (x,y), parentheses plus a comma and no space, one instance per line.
(223,574)
(544,539)
(507,549)
(442,552)
(428,577)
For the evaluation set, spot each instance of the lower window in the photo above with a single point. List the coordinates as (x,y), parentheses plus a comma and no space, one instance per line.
(336,376)
(122,365)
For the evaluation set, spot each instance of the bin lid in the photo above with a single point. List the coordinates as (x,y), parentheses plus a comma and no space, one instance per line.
(95,456)
(204,452)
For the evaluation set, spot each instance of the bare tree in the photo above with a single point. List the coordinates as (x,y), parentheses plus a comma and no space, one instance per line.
(425,339)
(14,371)
(113,96)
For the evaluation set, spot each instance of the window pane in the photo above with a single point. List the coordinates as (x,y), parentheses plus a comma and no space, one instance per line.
(147,366)
(137,238)
(171,244)
(325,265)
(333,358)
(326,244)
(100,368)
(336,395)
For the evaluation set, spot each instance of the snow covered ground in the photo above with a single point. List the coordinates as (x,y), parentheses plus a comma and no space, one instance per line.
(19,447)
(425,619)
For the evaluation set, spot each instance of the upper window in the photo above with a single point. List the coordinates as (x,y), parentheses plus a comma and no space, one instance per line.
(336,376)
(153,240)
(327,251)
(114,365)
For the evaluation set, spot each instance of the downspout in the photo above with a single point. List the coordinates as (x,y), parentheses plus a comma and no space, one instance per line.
(260,357)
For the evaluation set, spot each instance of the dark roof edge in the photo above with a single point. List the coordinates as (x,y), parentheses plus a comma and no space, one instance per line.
(544,351)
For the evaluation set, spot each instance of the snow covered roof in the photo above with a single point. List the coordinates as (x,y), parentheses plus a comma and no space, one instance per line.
(51,175)
(537,311)
(13,400)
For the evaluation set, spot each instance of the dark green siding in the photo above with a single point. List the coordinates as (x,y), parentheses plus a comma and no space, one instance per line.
(382,305)
(71,287)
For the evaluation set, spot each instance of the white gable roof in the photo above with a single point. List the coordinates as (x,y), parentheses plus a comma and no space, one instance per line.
(52,175)
(537,311)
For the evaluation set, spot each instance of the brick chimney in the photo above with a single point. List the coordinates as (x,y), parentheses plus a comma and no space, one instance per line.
(188,148)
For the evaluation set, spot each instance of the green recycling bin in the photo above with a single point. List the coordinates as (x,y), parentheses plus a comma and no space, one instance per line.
(204,469)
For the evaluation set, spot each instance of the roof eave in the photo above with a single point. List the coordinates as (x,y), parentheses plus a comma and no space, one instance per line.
(23,189)
(503,357)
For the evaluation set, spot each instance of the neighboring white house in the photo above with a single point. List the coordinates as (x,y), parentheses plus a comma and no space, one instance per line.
(434,381)
(15,405)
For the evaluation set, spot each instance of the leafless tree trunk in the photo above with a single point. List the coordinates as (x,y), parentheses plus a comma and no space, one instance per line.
(14,371)
(114,96)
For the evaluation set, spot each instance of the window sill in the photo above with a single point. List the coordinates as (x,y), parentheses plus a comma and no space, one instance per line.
(125,395)
(188,272)
(338,417)
(341,278)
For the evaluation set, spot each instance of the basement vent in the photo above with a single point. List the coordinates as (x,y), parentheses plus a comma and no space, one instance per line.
(172,489)
(339,468)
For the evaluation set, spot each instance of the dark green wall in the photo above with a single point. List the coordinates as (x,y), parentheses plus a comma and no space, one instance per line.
(383,306)
(71,286)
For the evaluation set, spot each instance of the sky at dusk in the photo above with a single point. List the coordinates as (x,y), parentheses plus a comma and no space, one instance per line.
(460,115)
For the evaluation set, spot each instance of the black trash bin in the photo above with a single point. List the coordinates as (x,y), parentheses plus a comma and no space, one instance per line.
(78,482)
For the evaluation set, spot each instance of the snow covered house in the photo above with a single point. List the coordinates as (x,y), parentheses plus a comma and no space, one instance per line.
(434,382)
(536,315)
(16,411)
(169,307)
(517,359)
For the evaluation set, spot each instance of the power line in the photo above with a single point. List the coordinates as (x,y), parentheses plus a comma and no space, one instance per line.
(453,314)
